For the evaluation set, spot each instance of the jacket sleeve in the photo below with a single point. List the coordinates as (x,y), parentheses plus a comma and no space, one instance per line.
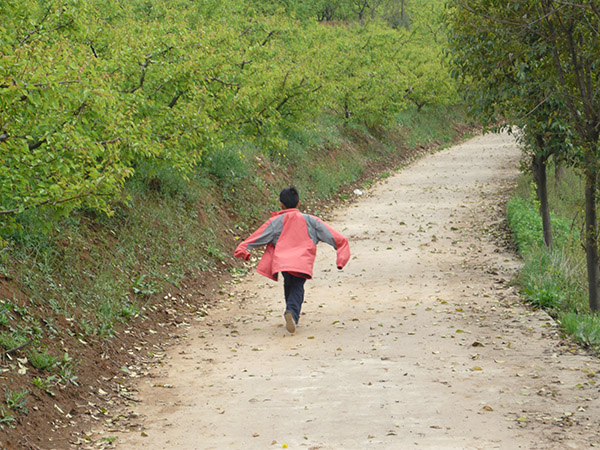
(328,235)
(262,236)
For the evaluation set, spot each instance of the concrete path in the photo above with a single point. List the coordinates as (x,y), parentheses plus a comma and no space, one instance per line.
(420,342)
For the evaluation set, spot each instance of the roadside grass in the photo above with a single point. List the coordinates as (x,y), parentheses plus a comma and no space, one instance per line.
(555,279)
(434,126)
(74,284)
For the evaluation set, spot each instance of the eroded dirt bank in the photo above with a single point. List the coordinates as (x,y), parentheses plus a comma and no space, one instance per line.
(420,342)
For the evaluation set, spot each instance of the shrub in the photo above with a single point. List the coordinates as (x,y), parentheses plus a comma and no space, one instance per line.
(41,360)
(583,327)
(16,400)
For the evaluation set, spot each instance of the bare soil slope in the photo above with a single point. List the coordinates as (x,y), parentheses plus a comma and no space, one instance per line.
(420,342)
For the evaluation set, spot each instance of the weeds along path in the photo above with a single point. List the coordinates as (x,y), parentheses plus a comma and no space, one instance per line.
(421,342)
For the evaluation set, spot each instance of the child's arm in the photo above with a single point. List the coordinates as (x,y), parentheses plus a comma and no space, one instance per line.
(261,236)
(338,241)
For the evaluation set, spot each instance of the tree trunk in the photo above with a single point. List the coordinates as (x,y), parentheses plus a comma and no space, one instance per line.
(591,231)
(559,172)
(403,14)
(363,6)
(540,178)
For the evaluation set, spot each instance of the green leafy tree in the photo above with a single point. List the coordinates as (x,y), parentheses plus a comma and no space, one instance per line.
(92,92)
(55,146)
(542,74)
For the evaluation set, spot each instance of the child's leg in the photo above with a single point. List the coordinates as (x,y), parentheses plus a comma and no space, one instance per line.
(286,286)
(294,294)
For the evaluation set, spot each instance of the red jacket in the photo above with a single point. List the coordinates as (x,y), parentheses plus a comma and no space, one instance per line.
(291,238)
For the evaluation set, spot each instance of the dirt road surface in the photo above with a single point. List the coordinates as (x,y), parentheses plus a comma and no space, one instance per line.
(420,342)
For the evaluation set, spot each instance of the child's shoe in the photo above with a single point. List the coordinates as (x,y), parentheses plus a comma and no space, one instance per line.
(290,324)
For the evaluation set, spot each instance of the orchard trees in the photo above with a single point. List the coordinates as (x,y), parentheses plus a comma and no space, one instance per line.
(362,91)
(56,146)
(395,13)
(94,91)
(537,64)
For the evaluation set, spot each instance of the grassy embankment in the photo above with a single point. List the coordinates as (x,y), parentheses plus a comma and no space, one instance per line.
(555,279)
(73,294)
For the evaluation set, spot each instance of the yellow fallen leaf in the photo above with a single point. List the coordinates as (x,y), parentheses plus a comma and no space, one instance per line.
(477,368)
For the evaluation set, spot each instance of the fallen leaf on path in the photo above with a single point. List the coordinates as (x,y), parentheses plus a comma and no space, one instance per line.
(488,408)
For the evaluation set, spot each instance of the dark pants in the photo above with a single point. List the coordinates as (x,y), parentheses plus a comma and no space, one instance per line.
(293,288)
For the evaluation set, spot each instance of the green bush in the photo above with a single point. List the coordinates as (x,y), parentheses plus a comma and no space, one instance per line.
(550,278)
(228,165)
(16,400)
(41,360)
(9,341)
(583,327)
(7,418)
(526,225)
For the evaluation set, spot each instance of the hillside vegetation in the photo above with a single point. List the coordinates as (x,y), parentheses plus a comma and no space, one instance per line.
(96,92)
(140,139)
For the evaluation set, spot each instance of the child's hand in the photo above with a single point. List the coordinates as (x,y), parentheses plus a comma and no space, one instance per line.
(242,253)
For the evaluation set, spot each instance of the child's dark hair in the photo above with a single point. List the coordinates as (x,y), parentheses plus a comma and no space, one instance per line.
(289,197)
